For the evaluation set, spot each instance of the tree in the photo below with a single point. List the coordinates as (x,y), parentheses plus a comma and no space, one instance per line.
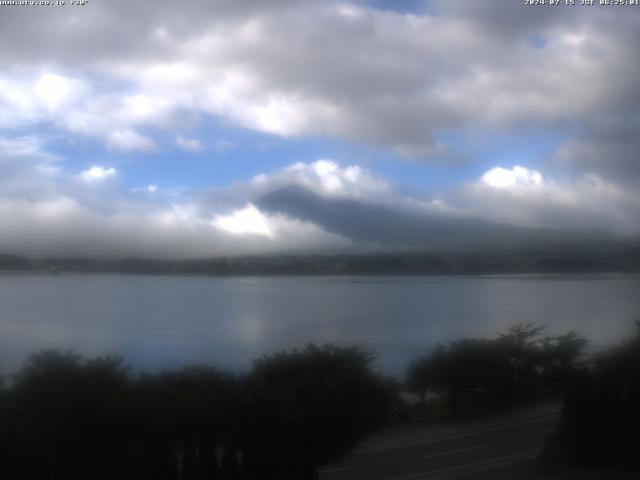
(67,416)
(182,418)
(514,366)
(560,359)
(600,423)
(310,407)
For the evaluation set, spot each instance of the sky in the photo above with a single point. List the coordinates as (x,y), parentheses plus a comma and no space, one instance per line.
(208,127)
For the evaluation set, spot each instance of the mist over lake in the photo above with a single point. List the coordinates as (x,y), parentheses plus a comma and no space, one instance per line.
(157,322)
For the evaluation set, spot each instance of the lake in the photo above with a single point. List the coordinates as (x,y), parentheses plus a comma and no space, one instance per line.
(159,322)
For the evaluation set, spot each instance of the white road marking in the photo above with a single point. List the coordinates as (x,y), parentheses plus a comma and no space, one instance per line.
(482,465)
(456,437)
(451,452)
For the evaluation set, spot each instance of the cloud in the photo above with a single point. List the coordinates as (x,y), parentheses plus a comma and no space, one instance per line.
(18,104)
(403,80)
(499,177)
(248,220)
(326,177)
(26,167)
(125,77)
(52,212)
(608,146)
(523,197)
(318,206)
(368,209)
(130,141)
(56,91)
(488,211)
(189,144)
(33,97)
(97,174)
(62,226)
(30,147)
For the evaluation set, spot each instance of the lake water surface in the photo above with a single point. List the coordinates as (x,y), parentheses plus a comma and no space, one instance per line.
(167,321)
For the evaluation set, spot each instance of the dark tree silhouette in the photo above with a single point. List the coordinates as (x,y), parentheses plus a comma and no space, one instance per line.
(186,420)
(515,366)
(600,423)
(311,407)
(560,358)
(67,416)
(71,418)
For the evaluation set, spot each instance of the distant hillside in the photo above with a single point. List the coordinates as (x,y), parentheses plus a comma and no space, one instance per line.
(14,263)
(581,258)
(407,242)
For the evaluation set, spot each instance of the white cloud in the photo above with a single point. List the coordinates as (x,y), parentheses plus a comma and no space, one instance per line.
(60,225)
(521,196)
(18,104)
(189,144)
(41,214)
(26,167)
(248,220)
(57,91)
(326,177)
(277,232)
(97,174)
(29,146)
(130,141)
(148,189)
(141,108)
(517,176)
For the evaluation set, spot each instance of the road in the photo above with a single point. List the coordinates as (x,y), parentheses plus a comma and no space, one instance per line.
(487,447)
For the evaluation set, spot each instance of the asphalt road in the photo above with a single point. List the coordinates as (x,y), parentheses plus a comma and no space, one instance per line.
(461,453)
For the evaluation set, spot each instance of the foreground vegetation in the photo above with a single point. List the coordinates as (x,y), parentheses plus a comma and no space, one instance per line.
(65,417)
(600,421)
(600,424)
(476,373)
(69,418)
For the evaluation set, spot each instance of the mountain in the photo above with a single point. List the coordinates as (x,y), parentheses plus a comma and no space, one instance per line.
(397,228)
(398,241)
